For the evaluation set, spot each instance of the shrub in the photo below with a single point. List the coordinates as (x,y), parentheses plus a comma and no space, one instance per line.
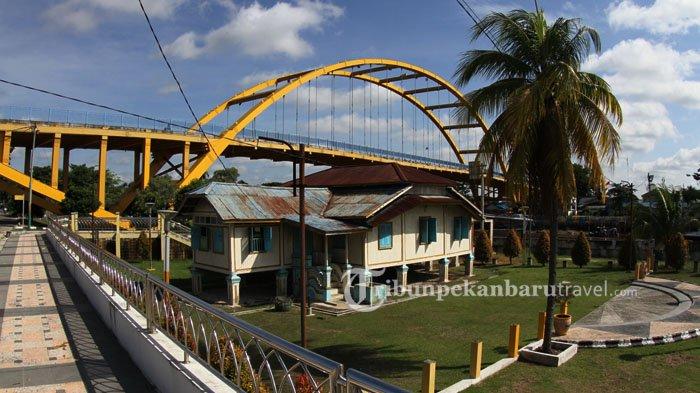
(482,246)
(676,251)
(627,256)
(581,252)
(248,378)
(543,247)
(513,245)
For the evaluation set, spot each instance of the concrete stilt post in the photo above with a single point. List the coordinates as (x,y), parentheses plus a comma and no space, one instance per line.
(401,277)
(469,265)
(282,282)
(234,292)
(445,270)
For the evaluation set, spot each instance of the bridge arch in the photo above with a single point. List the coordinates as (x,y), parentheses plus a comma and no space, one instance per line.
(268,92)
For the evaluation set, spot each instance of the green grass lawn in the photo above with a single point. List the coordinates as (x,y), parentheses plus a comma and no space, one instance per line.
(392,342)
(180,274)
(661,368)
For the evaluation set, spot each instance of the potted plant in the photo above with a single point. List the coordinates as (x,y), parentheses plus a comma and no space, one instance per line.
(562,321)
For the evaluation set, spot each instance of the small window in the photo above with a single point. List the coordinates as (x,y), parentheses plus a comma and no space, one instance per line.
(218,240)
(428,230)
(462,226)
(385,236)
(203,238)
(260,239)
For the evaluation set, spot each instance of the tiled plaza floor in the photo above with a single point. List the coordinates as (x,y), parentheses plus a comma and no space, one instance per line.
(658,307)
(51,340)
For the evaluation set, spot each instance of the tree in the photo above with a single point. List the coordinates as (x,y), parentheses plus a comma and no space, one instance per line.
(227,175)
(627,255)
(194,185)
(582,176)
(513,245)
(543,248)
(664,218)
(676,251)
(482,246)
(581,251)
(81,196)
(546,112)
(695,175)
(161,190)
(621,195)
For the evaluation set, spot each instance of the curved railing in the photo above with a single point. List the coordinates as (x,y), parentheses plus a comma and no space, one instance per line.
(247,357)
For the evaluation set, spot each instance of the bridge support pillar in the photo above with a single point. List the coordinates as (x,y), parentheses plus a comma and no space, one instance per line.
(186,160)
(137,165)
(6,147)
(102,180)
(66,168)
(55,154)
(146,163)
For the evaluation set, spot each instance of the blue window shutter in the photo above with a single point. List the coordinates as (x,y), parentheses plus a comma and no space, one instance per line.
(385,234)
(267,238)
(432,229)
(423,236)
(194,236)
(250,239)
(465,227)
(457,228)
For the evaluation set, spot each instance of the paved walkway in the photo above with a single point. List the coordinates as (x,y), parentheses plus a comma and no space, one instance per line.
(51,340)
(658,308)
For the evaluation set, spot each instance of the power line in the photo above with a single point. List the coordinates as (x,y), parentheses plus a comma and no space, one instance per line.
(177,81)
(475,18)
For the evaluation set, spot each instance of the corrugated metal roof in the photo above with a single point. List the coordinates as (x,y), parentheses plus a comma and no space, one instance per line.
(372,175)
(326,225)
(243,202)
(360,203)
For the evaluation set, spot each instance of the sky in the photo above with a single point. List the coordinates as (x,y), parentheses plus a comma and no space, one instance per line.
(102,50)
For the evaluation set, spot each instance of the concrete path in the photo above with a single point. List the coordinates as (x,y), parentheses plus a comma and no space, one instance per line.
(51,340)
(657,311)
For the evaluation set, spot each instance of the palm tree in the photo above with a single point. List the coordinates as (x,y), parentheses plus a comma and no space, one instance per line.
(664,218)
(546,112)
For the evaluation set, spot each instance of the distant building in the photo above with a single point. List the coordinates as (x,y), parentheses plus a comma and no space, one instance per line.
(368,217)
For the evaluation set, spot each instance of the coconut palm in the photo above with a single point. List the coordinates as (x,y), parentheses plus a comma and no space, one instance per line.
(664,218)
(547,112)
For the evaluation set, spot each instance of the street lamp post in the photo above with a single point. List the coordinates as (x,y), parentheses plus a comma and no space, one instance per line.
(31,175)
(167,217)
(302,229)
(150,205)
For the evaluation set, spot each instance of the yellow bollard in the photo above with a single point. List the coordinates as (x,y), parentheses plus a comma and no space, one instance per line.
(428,376)
(513,341)
(541,320)
(475,365)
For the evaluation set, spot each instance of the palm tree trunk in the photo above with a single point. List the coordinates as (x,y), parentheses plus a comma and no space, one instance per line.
(552,281)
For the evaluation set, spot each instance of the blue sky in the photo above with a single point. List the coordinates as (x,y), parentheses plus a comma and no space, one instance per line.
(102,50)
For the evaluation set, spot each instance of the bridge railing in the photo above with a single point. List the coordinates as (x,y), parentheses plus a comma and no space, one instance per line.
(117,120)
(247,357)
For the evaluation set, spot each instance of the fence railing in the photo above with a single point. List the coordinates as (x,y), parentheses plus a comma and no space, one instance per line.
(244,355)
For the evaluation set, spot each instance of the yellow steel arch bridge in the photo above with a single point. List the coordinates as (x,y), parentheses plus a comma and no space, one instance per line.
(190,153)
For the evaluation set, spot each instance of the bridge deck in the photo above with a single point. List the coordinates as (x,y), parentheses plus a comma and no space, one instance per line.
(51,338)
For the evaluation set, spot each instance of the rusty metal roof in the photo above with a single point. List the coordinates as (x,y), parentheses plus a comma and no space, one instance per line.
(326,225)
(373,175)
(241,202)
(361,203)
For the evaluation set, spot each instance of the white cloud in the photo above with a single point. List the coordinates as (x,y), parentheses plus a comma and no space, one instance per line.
(168,89)
(655,71)
(646,122)
(258,31)
(673,168)
(661,17)
(85,15)
(257,77)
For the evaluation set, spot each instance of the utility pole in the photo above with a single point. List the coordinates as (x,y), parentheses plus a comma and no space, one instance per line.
(31,174)
(302,228)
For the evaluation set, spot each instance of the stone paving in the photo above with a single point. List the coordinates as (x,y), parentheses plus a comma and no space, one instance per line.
(50,338)
(657,308)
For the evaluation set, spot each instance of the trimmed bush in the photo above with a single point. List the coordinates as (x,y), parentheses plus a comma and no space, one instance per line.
(581,252)
(627,256)
(482,246)
(676,251)
(513,246)
(543,247)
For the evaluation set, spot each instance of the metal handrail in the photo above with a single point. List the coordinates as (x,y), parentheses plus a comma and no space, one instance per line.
(245,355)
